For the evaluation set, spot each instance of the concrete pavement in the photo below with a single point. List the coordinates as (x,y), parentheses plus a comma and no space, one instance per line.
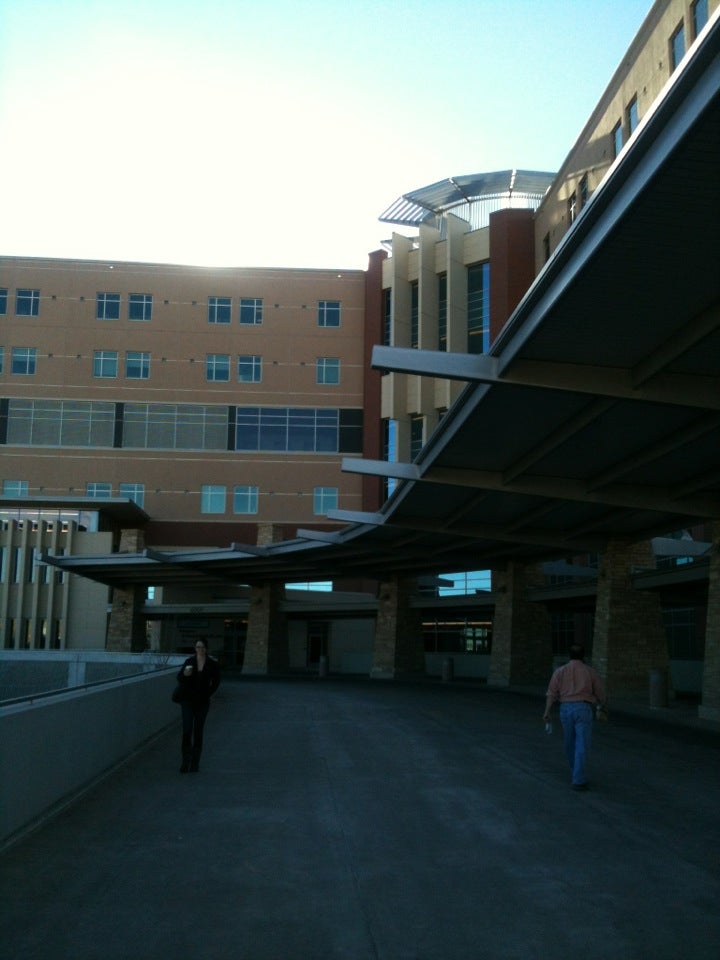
(360,820)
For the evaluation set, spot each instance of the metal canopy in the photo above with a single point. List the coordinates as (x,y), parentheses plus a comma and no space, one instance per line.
(421,205)
(596,414)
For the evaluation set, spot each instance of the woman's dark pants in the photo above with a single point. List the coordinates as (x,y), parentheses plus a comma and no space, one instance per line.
(193,721)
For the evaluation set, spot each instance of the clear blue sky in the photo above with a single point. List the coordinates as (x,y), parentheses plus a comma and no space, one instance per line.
(275,132)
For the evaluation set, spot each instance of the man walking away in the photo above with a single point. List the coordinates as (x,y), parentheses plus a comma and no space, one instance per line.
(579,690)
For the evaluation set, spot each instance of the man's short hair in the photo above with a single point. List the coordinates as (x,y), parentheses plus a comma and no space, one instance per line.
(577,651)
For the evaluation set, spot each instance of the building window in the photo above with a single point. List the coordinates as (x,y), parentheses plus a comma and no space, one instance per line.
(584,195)
(168,426)
(290,430)
(24,361)
(617,139)
(99,491)
(61,423)
(217,367)
(3,301)
(677,47)
(140,306)
(15,488)
(442,311)
(134,492)
(324,499)
(546,247)
(417,432)
(27,303)
(328,370)
(699,11)
(249,369)
(414,314)
(107,306)
(245,500)
(137,365)
(219,309)
(632,116)
(387,317)
(328,313)
(572,207)
(478,308)
(2,358)
(212,498)
(251,310)
(105,363)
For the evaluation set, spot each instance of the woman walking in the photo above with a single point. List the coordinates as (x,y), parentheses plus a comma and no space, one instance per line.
(199,677)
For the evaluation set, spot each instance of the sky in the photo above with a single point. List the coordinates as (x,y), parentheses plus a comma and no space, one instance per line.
(273,133)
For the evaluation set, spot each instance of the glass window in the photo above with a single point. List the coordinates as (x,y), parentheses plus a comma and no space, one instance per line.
(249,369)
(632,115)
(183,426)
(328,313)
(417,431)
(584,192)
(27,303)
(15,488)
(324,499)
(414,314)
(251,310)
(387,317)
(61,423)
(295,429)
(3,301)
(699,16)
(617,139)
(677,47)
(24,360)
(137,365)
(572,207)
(478,307)
(105,363)
(107,306)
(442,311)
(212,498)
(245,500)
(101,491)
(217,367)
(134,492)
(219,309)
(140,306)
(2,358)
(328,370)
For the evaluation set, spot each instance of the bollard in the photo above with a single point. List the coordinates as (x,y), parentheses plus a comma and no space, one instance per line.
(322,667)
(658,688)
(448,669)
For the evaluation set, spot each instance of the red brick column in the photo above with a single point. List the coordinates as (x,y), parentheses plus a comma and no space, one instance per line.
(630,638)
(266,646)
(710,706)
(398,646)
(126,628)
(522,644)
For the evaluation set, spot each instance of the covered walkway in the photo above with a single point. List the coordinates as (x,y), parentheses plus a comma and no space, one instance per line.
(352,820)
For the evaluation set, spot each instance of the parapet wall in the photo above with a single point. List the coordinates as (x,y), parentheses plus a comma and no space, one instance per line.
(51,748)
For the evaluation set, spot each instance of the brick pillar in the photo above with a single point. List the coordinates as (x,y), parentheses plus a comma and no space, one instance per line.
(266,646)
(126,629)
(630,637)
(398,646)
(710,707)
(521,643)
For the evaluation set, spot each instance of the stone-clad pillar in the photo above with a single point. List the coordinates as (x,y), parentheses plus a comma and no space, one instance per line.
(399,646)
(126,629)
(630,638)
(522,642)
(266,646)
(710,706)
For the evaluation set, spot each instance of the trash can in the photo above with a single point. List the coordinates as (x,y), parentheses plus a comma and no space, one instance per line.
(448,669)
(658,688)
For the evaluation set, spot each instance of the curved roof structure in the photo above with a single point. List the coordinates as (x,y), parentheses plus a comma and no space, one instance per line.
(468,194)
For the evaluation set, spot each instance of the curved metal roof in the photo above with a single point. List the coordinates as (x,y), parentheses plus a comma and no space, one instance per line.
(417,206)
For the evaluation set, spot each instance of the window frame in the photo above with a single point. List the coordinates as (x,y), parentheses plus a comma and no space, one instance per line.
(23,356)
(215,364)
(251,307)
(25,296)
(247,494)
(220,310)
(140,303)
(102,305)
(210,494)
(252,363)
(329,313)
(324,499)
(324,368)
(101,358)
(142,359)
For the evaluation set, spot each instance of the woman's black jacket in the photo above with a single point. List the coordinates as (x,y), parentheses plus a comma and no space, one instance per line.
(201,684)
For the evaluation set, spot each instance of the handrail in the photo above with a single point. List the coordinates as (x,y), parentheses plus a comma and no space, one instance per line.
(45,694)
